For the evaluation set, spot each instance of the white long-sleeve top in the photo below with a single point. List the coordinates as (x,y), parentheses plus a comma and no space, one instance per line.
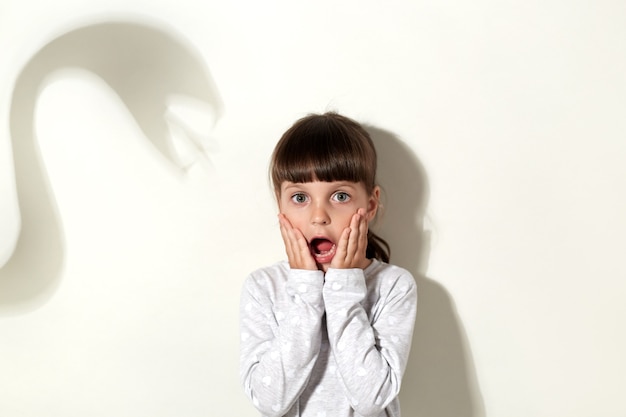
(326,345)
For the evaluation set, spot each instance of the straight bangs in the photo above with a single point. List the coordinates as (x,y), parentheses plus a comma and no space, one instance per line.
(324,148)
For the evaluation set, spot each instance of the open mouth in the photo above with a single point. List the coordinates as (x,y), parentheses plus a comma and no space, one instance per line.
(322,250)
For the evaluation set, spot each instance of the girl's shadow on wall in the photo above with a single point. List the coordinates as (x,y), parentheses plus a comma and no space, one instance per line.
(440,379)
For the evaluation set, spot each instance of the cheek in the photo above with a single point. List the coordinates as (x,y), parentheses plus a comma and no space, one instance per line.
(295,217)
(345,218)
(283,207)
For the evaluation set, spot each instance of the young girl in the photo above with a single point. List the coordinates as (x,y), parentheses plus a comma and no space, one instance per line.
(328,332)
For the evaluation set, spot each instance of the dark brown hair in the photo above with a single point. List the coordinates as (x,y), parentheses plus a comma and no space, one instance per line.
(328,147)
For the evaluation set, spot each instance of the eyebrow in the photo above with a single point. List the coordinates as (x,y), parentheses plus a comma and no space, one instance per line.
(291,185)
(299,185)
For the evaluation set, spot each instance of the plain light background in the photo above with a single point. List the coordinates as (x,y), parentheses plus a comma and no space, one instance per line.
(135,138)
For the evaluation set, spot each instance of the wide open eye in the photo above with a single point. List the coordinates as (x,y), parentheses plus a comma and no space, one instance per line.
(299,198)
(341,197)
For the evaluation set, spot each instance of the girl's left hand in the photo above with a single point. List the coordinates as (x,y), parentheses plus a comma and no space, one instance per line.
(352,245)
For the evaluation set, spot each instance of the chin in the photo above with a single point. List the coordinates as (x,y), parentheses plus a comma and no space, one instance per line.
(323,267)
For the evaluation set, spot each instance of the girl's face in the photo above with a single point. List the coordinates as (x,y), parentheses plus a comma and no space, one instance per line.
(322,210)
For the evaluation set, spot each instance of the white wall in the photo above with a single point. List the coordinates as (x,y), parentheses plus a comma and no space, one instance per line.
(501,133)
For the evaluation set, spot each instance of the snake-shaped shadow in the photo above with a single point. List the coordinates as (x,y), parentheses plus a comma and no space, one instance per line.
(146,66)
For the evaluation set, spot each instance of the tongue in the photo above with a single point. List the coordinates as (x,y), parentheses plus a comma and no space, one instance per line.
(323,246)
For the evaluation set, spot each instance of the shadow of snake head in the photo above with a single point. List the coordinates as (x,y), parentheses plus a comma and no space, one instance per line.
(152,72)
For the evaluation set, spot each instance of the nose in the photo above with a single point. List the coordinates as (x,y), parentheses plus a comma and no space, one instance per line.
(319,215)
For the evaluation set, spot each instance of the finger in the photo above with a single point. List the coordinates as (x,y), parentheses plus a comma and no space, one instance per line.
(298,251)
(357,251)
(286,235)
(363,230)
(339,260)
(343,257)
(291,241)
(344,242)
(353,241)
(300,243)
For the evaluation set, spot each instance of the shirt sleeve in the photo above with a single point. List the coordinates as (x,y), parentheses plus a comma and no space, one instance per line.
(280,338)
(371,352)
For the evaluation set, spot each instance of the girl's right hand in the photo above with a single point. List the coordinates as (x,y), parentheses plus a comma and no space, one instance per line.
(296,246)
